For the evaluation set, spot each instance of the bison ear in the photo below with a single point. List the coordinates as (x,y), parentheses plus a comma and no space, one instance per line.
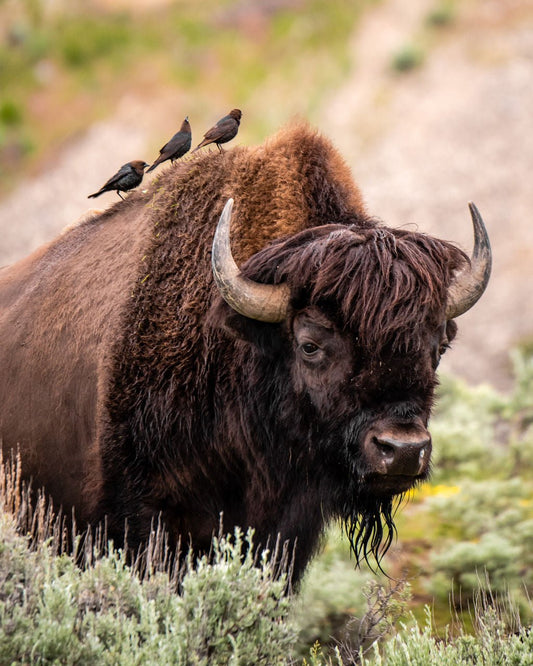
(451,329)
(262,335)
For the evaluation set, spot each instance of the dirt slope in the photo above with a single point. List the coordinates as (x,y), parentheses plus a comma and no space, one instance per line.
(459,128)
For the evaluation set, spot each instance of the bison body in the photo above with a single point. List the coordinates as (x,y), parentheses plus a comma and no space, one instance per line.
(134,390)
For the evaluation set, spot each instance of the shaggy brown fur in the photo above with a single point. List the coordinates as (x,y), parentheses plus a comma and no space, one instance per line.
(377,281)
(134,390)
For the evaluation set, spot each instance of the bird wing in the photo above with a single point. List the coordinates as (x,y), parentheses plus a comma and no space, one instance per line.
(224,125)
(123,171)
(177,143)
(164,148)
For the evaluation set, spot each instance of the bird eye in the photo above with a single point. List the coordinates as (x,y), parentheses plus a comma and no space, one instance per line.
(309,348)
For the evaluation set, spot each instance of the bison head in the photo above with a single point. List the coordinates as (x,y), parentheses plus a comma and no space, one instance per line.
(355,321)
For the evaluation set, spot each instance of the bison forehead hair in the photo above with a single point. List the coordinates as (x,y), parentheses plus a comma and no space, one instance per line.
(388,285)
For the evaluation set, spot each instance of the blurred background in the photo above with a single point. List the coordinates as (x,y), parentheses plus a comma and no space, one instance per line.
(429,101)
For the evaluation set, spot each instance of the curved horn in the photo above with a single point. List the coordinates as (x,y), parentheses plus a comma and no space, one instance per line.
(265,302)
(469,285)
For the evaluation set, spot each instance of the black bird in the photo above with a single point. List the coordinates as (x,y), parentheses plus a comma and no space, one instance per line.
(126,178)
(225,130)
(177,146)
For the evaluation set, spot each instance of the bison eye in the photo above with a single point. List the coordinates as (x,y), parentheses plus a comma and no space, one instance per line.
(309,348)
(443,347)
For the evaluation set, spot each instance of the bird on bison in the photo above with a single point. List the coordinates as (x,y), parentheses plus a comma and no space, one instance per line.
(243,340)
(129,175)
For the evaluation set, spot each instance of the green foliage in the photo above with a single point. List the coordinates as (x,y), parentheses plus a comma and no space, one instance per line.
(521,402)
(498,639)
(461,428)
(413,53)
(407,58)
(82,41)
(492,532)
(233,610)
(14,142)
(480,528)
(331,594)
(492,644)
(443,14)
(479,432)
(228,611)
(10,112)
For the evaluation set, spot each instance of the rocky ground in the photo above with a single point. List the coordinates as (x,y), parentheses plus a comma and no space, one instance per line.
(421,144)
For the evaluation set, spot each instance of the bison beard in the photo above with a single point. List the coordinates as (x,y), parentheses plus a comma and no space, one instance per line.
(169,403)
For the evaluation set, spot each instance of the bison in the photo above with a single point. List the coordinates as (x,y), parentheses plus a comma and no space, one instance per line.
(144,374)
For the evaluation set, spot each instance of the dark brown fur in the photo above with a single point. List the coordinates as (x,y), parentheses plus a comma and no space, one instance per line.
(134,390)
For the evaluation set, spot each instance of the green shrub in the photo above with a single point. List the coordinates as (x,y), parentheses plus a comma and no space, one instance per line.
(463,432)
(493,643)
(10,113)
(332,593)
(498,639)
(478,518)
(407,58)
(228,610)
(442,15)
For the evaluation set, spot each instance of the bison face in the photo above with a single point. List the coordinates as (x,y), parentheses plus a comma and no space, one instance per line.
(366,309)
(374,409)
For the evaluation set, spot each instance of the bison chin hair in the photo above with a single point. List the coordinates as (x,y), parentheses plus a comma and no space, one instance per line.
(369,526)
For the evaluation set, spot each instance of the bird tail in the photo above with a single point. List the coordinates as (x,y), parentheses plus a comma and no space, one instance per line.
(153,166)
(198,147)
(96,194)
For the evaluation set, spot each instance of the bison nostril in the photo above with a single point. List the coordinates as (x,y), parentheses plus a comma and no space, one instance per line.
(405,456)
(386,450)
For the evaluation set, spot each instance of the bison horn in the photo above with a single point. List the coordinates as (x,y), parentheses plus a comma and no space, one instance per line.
(265,302)
(469,285)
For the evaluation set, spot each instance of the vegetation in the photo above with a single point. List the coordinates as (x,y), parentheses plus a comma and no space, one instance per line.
(408,57)
(413,54)
(442,14)
(231,610)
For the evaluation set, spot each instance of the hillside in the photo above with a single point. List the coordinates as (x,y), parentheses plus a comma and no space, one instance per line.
(422,142)
(456,128)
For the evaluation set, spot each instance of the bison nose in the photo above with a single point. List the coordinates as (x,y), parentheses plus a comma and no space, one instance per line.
(400,456)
